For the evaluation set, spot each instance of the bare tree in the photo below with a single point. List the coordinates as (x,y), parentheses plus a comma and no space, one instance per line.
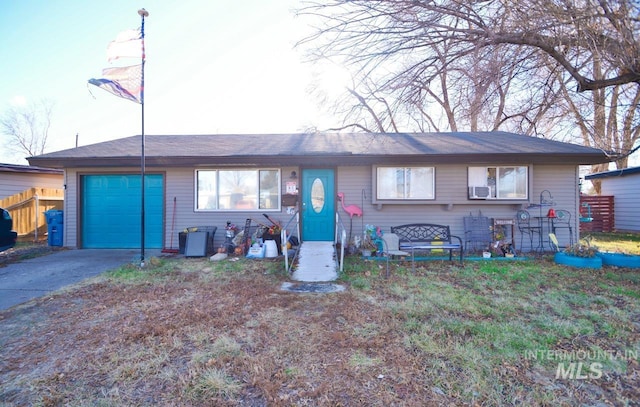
(490,64)
(27,128)
(373,32)
(486,91)
(607,120)
(481,92)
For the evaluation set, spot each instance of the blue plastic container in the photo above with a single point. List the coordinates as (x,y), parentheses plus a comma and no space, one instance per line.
(54,216)
(620,259)
(581,262)
(55,226)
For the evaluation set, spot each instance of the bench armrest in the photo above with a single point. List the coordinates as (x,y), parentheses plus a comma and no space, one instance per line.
(459,240)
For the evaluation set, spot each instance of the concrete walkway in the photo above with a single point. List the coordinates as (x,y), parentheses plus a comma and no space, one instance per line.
(32,278)
(316,262)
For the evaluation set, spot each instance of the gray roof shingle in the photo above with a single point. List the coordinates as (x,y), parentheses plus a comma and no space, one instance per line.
(323,148)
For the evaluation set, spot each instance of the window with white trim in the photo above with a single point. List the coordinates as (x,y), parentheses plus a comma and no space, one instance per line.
(507,182)
(237,190)
(405,183)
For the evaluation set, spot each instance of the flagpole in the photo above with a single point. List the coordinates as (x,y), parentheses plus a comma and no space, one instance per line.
(143,13)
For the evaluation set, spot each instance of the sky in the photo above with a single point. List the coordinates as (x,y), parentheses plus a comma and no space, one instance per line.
(212,67)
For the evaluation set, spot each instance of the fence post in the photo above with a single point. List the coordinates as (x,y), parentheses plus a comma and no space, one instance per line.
(36,201)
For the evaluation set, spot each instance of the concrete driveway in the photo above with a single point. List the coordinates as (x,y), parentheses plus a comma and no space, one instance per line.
(20,282)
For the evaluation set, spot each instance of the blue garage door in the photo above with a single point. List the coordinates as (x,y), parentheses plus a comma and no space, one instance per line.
(111,211)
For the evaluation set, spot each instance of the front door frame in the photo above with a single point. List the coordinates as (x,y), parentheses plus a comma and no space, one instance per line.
(310,220)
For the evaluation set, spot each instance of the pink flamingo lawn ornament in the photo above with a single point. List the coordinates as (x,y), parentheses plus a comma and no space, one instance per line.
(352,210)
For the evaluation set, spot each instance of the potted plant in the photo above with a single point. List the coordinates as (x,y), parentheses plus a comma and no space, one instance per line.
(367,247)
(501,247)
(581,254)
(372,239)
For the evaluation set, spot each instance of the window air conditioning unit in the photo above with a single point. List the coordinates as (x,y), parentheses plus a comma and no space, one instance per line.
(479,192)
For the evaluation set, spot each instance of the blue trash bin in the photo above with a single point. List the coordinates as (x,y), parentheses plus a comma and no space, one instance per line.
(55,226)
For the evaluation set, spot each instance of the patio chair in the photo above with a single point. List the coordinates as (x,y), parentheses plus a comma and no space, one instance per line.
(477,232)
(526,227)
(391,243)
(562,221)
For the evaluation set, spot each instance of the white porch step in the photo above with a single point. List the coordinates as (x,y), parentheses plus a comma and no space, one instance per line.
(316,262)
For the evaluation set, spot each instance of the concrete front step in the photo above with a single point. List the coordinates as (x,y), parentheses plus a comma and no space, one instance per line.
(312,287)
(316,262)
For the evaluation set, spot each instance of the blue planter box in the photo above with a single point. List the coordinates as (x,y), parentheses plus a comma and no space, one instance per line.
(620,260)
(581,262)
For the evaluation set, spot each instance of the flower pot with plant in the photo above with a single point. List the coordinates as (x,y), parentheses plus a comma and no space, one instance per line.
(372,239)
(367,247)
(501,247)
(582,254)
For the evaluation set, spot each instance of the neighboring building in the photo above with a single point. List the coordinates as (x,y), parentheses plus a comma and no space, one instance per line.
(27,192)
(624,186)
(394,178)
(18,178)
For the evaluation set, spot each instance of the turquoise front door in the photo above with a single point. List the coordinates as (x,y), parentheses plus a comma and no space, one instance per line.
(318,204)
(111,211)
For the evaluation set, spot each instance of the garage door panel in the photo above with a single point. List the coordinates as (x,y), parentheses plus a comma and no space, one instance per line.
(111,211)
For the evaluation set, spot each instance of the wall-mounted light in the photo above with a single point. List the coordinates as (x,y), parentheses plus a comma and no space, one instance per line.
(293,175)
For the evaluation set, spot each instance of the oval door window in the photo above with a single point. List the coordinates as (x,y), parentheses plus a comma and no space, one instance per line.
(317,195)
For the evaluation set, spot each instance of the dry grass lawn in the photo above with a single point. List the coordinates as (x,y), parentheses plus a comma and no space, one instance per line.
(188,332)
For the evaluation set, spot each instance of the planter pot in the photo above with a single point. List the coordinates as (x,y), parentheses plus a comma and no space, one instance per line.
(581,262)
(620,260)
(486,255)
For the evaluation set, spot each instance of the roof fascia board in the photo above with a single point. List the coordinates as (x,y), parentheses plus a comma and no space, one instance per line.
(329,159)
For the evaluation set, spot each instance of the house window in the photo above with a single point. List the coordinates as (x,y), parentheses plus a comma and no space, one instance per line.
(498,182)
(405,183)
(242,190)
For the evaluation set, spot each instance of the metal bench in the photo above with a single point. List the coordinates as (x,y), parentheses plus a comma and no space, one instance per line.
(425,236)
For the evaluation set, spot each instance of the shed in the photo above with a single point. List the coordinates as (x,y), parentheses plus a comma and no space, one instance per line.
(624,186)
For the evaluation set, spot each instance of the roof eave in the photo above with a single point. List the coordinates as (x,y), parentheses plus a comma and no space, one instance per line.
(319,159)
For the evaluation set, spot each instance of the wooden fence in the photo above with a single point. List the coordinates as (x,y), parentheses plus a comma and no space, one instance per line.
(602,213)
(27,210)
